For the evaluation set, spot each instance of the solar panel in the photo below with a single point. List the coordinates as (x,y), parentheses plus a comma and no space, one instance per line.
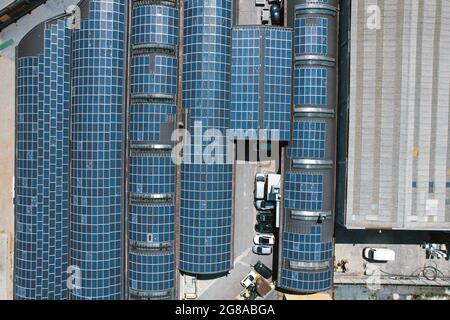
(310,86)
(303,191)
(261,81)
(43,141)
(311,36)
(308,139)
(306,240)
(151,175)
(245,84)
(97,148)
(154,74)
(149,121)
(277,81)
(306,281)
(152,276)
(307,247)
(206,189)
(25,278)
(154,24)
(53,162)
(151,225)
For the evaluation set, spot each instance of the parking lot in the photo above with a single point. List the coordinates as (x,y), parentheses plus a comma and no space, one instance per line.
(229,287)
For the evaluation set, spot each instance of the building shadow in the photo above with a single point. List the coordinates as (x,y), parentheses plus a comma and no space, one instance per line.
(364,236)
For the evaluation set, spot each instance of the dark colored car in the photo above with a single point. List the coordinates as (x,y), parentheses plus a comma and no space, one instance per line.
(264,228)
(264,218)
(263,270)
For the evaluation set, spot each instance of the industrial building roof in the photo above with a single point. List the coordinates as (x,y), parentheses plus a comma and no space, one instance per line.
(398,157)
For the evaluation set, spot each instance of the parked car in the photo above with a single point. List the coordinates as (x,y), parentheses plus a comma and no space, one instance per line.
(260,183)
(264,218)
(264,228)
(263,270)
(379,254)
(264,239)
(262,205)
(262,250)
(249,280)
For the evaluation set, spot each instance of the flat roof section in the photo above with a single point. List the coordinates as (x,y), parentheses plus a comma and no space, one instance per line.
(398,163)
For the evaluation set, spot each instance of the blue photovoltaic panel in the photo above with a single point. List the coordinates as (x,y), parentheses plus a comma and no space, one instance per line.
(152,224)
(97,148)
(43,128)
(311,36)
(277,82)
(307,243)
(147,120)
(308,140)
(152,174)
(25,179)
(310,86)
(154,73)
(306,281)
(261,82)
(206,220)
(53,163)
(152,274)
(206,188)
(303,191)
(246,72)
(154,24)
(306,247)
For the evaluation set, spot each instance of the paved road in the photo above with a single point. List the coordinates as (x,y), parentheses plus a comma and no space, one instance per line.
(245,216)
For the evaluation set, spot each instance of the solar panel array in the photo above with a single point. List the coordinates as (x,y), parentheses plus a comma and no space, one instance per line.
(309,139)
(98,99)
(151,274)
(151,175)
(306,252)
(261,82)
(25,279)
(147,120)
(311,36)
(154,24)
(310,86)
(307,248)
(154,73)
(303,191)
(206,187)
(42,207)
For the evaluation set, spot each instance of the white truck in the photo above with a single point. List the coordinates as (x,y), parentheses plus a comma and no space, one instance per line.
(274,194)
(273,182)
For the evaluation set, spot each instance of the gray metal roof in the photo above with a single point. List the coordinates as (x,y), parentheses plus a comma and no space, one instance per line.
(398,150)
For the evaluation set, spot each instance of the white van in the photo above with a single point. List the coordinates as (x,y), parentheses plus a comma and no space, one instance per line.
(379,254)
(260,183)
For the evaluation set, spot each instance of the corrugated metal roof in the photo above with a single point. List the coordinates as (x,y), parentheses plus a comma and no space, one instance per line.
(398,151)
